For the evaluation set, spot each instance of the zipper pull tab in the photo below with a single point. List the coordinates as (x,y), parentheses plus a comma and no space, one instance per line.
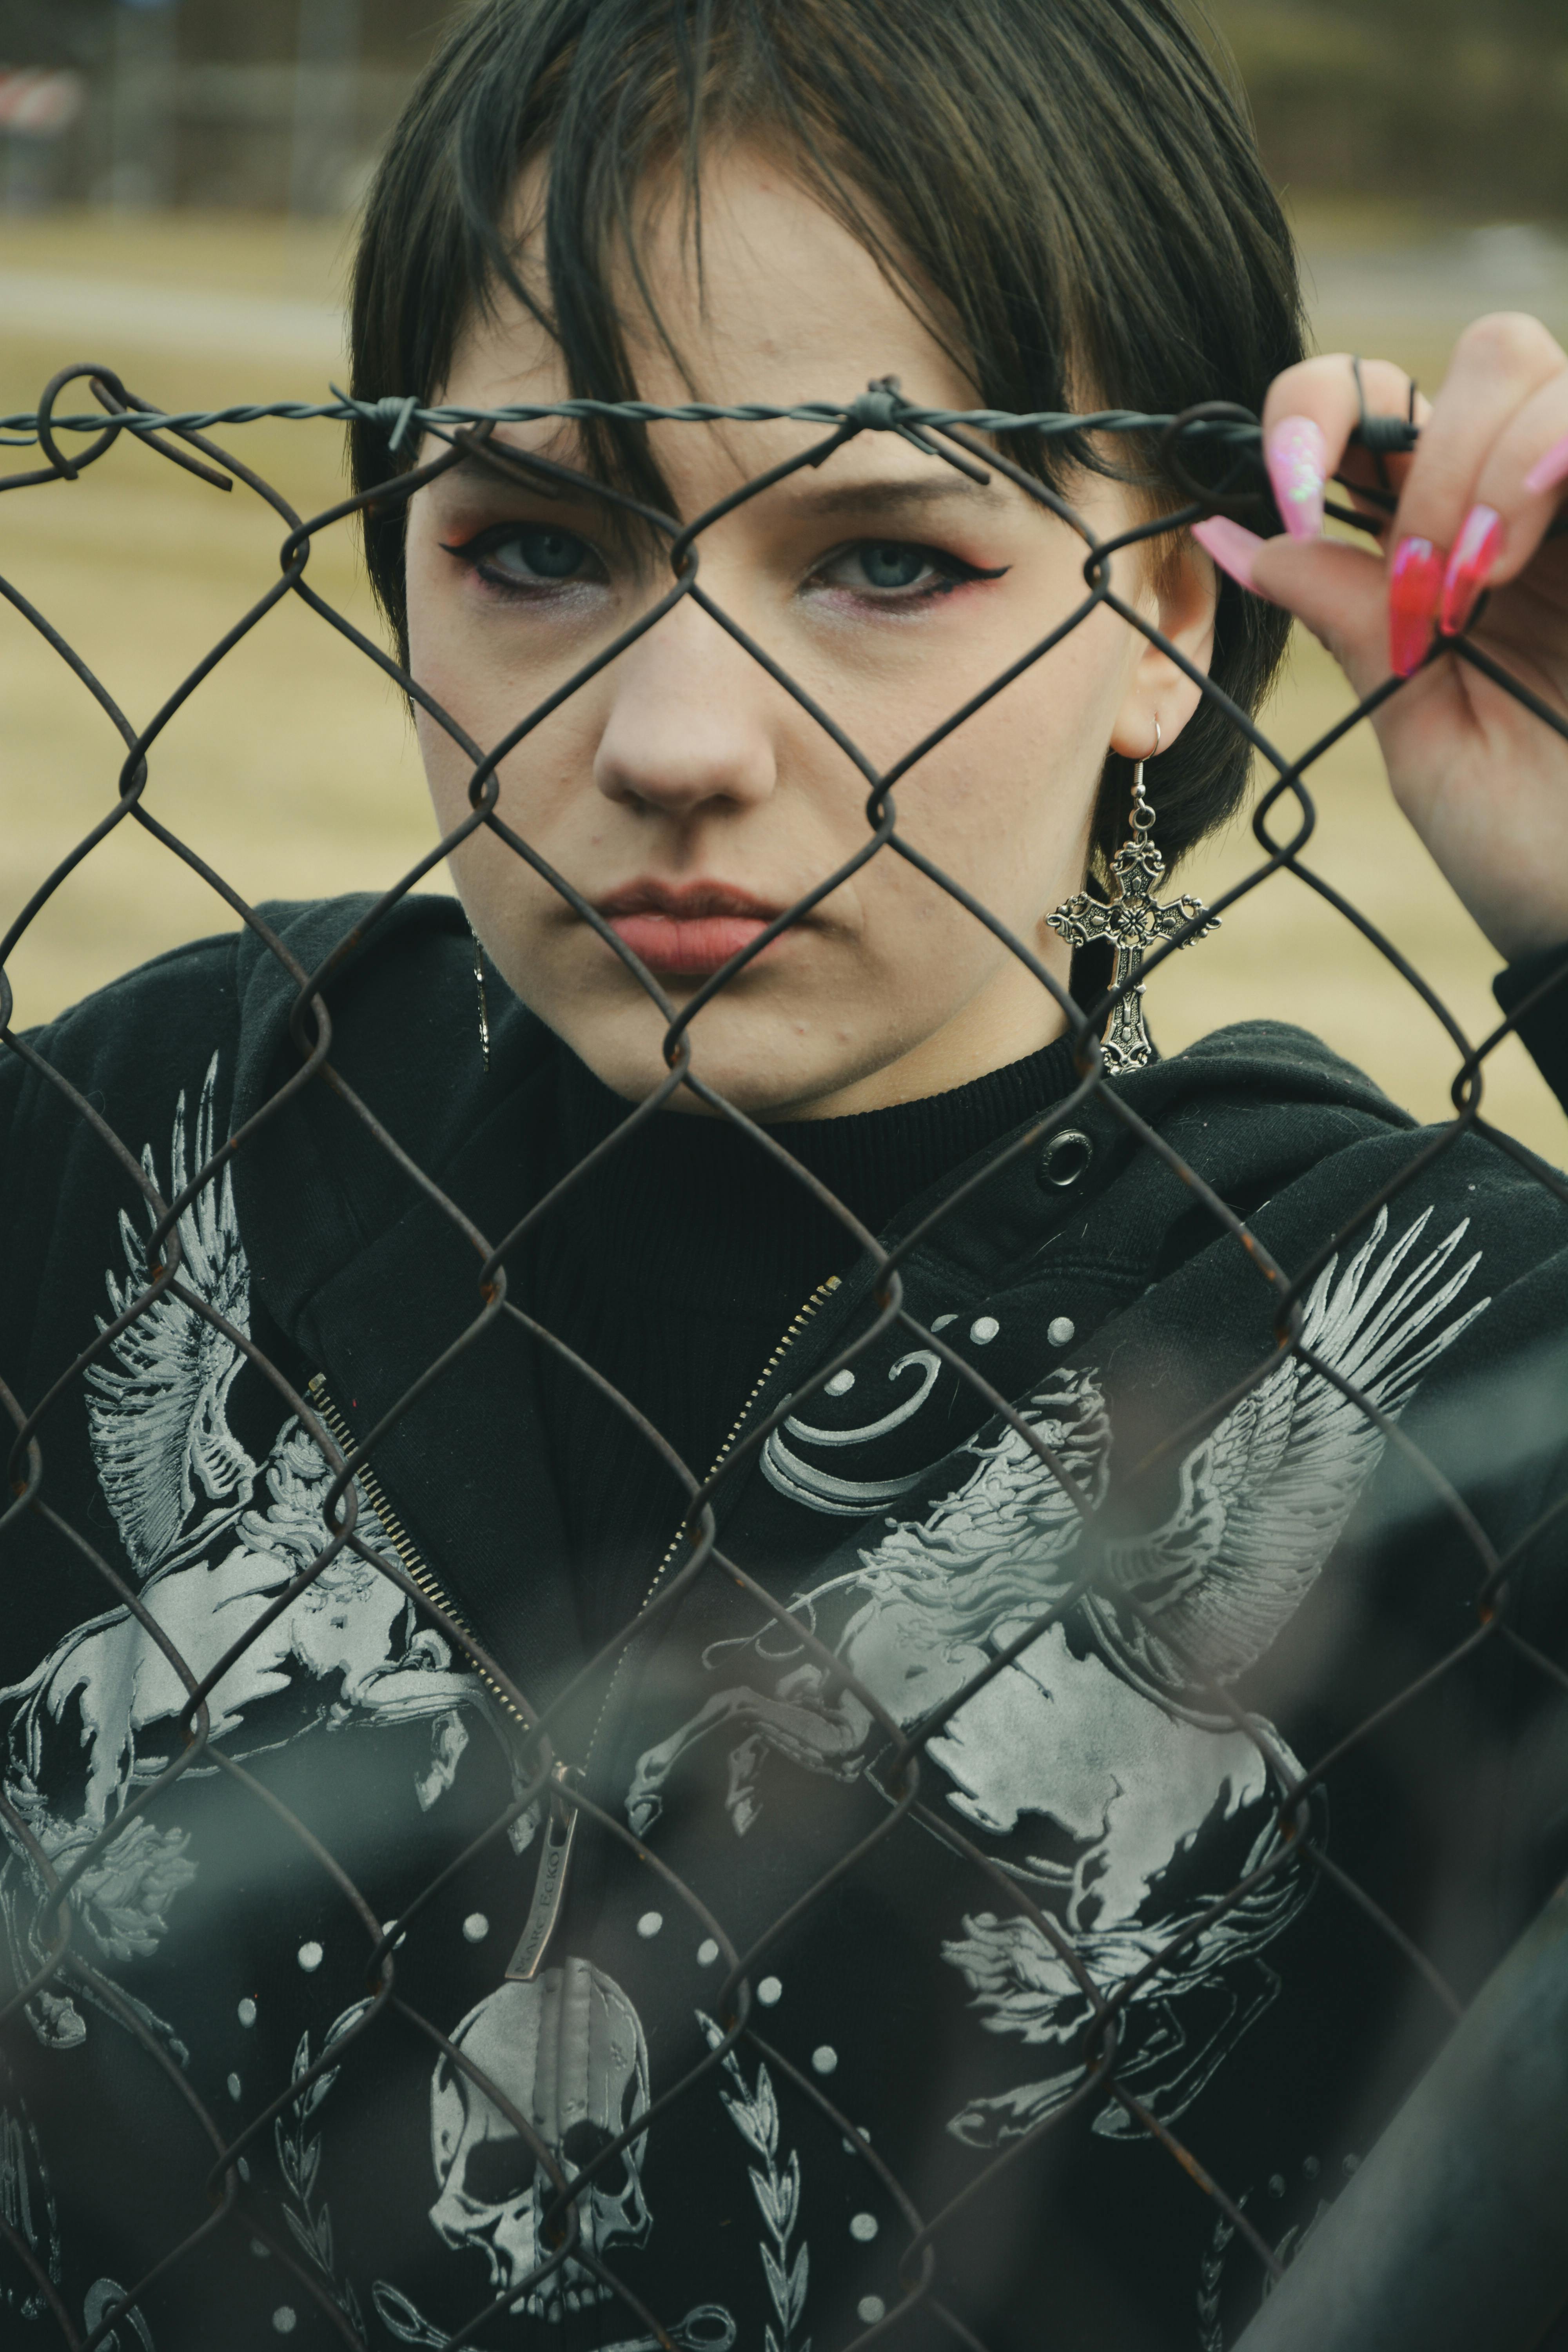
(549,1886)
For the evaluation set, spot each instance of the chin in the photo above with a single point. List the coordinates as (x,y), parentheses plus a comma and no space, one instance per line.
(761,1072)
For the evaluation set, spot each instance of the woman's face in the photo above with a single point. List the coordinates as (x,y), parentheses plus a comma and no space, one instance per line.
(683,790)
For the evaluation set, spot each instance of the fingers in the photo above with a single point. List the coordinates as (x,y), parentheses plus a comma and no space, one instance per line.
(1308,417)
(1464,509)
(1475,498)
(1335,590)
(1517,483)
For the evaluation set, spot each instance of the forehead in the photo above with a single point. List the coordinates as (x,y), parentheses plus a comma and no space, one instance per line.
(762,294)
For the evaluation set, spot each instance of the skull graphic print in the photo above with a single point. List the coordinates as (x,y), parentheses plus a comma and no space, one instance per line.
(567,2052)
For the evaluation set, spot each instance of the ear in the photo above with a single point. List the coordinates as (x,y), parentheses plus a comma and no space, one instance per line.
(1179,594)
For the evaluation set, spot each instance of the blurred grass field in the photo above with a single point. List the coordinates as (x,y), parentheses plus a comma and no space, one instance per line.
(293,771)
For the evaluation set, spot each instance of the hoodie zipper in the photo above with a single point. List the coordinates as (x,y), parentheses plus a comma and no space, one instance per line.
(550,1886)
(786,1341)
(397,1535)
(560,1824)
(560,1827)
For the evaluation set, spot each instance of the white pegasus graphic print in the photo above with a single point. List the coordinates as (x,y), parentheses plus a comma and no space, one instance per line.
(159,1422)
(1100,1761)
(214,1537)
(1265,1497)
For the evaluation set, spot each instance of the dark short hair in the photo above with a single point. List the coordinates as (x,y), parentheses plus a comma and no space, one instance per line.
(1074,179)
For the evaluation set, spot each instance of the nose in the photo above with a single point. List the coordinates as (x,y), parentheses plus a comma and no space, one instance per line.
(690,723)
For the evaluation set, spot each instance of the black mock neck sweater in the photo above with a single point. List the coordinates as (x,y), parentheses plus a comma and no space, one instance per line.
(676,1266)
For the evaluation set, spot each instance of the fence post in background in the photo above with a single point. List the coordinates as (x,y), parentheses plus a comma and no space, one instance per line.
(1453,2236)
(326,106)
(38,107)
(141,161)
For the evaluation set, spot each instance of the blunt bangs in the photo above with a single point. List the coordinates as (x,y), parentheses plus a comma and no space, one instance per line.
(1073,181)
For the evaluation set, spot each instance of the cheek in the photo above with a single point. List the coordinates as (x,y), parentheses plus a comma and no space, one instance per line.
(457,651)
(436,664)
(1004,806)
(1009,796)
(446,768)
(458,666)
(423,584)
(471,665)
(546,794)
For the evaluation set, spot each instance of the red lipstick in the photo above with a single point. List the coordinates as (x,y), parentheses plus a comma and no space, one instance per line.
(687,930)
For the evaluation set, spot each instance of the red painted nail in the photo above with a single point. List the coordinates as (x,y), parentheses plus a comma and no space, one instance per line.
(1415,585)
(1232,548)
(1473,555)
(1549,470)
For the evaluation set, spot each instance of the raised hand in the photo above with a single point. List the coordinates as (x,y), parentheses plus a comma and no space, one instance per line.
(1481,776)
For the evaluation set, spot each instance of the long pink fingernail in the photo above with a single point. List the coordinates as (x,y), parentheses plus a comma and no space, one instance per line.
(1415,585)
(1474,552)
(1232,548)
(1550,469)
(1298,460)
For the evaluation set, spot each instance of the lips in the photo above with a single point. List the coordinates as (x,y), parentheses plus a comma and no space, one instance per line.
(689,931)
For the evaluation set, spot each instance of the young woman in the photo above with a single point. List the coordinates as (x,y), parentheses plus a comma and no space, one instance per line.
(1071,1987)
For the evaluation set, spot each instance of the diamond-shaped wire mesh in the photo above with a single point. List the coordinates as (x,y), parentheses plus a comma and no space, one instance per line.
(56,1864)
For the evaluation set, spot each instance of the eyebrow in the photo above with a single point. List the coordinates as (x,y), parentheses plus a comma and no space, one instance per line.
(880,496)
(875,495)
(558,451)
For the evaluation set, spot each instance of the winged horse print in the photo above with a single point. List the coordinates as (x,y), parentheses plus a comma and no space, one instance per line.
(1108,1780)
(213,1538)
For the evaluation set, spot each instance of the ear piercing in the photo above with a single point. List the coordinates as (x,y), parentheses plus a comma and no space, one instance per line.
(1134,921)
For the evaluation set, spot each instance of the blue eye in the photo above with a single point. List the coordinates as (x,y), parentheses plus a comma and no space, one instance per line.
(524,557)
(891,564)
(899,572)
(535,552)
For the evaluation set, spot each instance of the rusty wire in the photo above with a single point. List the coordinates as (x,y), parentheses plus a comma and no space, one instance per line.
(1283,824)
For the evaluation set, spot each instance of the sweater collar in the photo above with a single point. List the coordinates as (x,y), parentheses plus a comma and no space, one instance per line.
(694,1208)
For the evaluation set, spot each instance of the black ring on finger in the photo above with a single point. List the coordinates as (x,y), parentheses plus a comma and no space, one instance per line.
(1384,436)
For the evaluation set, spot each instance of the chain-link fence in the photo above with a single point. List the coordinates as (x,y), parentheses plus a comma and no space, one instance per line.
(57,1866)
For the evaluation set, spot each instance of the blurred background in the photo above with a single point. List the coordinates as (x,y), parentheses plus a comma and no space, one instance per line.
(177,186)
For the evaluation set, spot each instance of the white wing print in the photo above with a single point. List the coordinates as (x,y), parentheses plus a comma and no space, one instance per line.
(1263,1499)
(159,1424)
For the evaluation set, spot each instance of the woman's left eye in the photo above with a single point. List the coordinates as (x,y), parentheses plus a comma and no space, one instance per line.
(540,553)
(895,570)
(529,555)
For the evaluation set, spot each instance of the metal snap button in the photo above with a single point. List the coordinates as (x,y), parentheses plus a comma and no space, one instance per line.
(1065,1158)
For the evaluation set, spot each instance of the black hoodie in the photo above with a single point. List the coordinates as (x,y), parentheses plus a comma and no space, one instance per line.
(925,1956)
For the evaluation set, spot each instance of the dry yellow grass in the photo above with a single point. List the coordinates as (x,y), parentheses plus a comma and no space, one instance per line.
(293,768)
(1284,954)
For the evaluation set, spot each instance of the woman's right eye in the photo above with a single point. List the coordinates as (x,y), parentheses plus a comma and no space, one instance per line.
(529,556)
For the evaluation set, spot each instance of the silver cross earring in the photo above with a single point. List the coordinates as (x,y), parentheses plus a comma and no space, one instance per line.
(1133,919)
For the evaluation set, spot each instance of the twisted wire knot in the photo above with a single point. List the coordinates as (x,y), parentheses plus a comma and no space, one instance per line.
(879,406)
(395,413)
